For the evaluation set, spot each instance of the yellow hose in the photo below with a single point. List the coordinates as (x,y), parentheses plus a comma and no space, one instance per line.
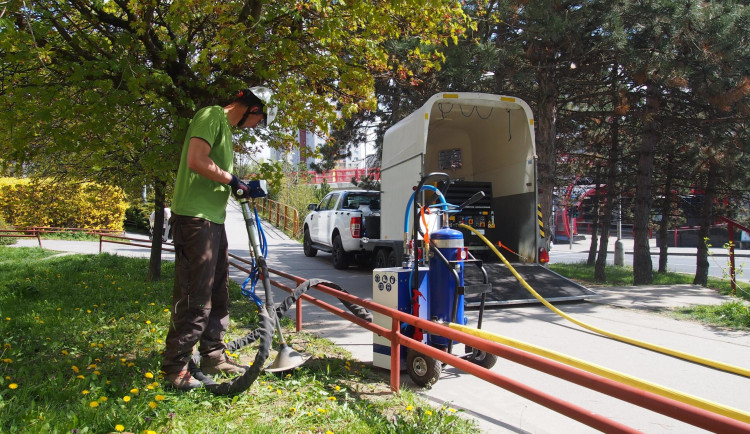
(674,353)
(608,373)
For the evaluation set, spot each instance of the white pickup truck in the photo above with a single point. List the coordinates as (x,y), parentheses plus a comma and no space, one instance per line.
(339,223)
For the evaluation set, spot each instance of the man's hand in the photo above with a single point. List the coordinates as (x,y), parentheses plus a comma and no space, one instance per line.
(239,188)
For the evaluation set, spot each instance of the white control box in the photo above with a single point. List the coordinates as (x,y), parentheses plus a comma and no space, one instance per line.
(391,287)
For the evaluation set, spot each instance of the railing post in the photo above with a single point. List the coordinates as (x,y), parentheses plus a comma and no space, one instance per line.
(298,314)
(296,222)
(100,243)
(286,217)
(395,355)
(730,226)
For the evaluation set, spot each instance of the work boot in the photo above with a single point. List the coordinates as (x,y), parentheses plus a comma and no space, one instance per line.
(223,365)
(183,380)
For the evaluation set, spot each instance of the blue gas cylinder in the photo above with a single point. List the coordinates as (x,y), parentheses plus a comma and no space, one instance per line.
(442,282)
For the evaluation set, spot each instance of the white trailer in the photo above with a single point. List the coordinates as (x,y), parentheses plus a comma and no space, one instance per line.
(484,142)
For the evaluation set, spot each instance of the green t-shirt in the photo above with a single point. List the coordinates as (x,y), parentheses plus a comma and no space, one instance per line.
(194,195)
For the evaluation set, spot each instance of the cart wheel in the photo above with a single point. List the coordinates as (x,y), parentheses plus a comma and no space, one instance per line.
(424,370)
(481,358)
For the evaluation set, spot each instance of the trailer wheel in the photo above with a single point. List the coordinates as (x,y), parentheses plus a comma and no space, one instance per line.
(381,258)
(340,257)
(391,259)
(423,370)
(307,247)
(482,358)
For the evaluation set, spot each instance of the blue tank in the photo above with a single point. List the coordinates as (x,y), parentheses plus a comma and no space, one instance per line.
(442,282)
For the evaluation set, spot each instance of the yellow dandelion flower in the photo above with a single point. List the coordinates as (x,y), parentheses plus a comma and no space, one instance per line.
(13,386)
(75,369)
(148,375)
(150,387)
(97,373)
(119,428)
(81,377)
(91,366)
(100,345)
(452,410)
(93,345)
(329,432)
(84,392)
(331,398)
(159,397)
(94,404)
(103,399)
(321,410)
(337,388)
(126,398)
(152,404)
(428,412)
(409,408)
(148,321)
(7,361)
(7,318)
(150,432)
(278,391)
(134,391)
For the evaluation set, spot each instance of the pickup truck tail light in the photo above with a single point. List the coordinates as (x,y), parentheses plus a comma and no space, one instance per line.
(355,227)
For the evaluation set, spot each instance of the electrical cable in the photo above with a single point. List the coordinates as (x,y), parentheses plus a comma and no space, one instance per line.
(674,353)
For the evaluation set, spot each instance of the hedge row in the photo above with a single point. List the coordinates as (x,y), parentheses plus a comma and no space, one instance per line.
(45,203)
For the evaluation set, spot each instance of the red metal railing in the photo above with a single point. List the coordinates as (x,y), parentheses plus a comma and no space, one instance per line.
(342,175)
(21,233)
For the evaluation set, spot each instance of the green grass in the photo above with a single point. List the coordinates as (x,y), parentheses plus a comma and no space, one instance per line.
(733,314)
(81,337)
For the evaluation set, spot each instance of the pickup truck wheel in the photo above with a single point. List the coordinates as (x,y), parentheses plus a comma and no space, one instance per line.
(340,257)
(309,250)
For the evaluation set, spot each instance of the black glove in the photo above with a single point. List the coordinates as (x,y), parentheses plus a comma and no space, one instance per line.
(239,188)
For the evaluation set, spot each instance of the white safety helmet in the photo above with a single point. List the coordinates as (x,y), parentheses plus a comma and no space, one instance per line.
(264,94)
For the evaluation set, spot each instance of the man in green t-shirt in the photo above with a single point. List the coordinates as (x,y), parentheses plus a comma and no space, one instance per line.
(200,299)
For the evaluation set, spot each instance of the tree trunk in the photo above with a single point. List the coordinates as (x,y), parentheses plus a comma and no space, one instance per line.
(591,260)
(707,211)
(612,188)
(154,265)
(642,266)
(545,120)
(666,214)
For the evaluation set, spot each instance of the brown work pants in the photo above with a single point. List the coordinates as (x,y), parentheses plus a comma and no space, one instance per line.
(200,299)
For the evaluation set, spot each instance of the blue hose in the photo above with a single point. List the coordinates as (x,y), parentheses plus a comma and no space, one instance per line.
(443,204)
(255,273)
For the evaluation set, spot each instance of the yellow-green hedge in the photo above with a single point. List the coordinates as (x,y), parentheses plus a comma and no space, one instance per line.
(25,202)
